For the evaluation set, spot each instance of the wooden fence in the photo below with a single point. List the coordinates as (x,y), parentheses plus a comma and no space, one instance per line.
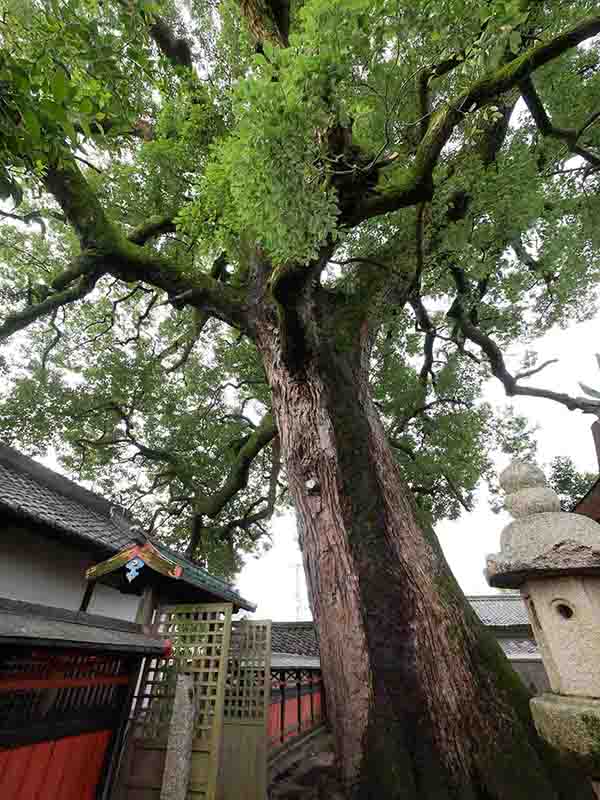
(60,713)
(297,704)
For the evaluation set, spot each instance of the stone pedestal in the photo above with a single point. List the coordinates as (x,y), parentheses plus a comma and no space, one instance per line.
(572,726)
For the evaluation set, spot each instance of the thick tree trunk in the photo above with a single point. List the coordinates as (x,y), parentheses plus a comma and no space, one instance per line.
(422,702)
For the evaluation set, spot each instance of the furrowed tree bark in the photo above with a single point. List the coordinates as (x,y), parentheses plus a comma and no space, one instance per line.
(422,702)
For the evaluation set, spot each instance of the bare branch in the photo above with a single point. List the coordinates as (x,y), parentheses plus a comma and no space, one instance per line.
(528,373)
(510,382)
(568,135)
(237,479)
(53,342)
(427,326)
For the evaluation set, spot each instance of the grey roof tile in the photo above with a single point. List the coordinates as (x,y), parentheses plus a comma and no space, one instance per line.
(32,491)
(520,649)
(285,660)
(501,610)
(298,638)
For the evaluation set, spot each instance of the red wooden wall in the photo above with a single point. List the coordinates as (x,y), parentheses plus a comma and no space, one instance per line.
(66,769)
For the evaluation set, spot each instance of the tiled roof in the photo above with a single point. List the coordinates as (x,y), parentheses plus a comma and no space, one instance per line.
(36,493)
(25,624)
(32,491)
(294,637)
(500,610)
(520,649)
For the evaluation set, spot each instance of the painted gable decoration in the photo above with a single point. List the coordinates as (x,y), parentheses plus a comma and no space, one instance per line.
(133,568)
(134,559)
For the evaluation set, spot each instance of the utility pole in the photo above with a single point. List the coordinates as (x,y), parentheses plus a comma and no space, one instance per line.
(299,605)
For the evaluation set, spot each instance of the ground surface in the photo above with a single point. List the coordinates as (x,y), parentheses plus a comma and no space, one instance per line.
(309,773)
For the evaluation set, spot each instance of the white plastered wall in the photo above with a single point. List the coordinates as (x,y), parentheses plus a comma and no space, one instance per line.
(50,572)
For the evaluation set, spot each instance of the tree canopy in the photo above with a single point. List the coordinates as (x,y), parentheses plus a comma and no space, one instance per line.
(435,162)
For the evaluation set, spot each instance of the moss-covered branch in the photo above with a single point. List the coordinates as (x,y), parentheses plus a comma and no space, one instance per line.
(156,225)
(414,183)
(22,319)
(237,478)
(106,249)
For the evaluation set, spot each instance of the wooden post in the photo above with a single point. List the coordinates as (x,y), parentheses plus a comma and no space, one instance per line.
(178,761)
(299,699)
(87,595)
(282,706)
(148,603)
(312,699)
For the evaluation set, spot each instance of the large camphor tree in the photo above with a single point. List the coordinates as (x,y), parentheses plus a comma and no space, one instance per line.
(258,252)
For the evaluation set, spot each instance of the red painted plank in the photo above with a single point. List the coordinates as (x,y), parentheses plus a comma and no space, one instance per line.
(35,784)
(88,745)
(61,766)
(15,772)
(97,747)
(56,768)
(85,745)
(4,755)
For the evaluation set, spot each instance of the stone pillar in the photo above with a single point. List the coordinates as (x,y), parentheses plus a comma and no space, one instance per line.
(554,559)
(178,760)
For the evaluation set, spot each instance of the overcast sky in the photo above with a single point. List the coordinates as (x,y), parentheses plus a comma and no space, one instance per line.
(271,580)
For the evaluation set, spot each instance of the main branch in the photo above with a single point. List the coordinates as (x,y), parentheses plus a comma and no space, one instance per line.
(237,478)
(106,250)
(415,183)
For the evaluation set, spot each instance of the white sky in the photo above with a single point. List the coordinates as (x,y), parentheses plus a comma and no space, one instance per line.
(271,580)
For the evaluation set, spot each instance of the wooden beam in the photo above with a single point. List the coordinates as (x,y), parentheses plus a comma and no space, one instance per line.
(61,683)
(147,553)
(112,564)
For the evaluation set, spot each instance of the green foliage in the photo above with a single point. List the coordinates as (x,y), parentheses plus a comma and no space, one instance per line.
(257,149)
(568,482)
(118,417)
(268,177)
(65,69)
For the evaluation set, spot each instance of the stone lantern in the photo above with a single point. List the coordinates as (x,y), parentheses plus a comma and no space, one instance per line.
(554,559)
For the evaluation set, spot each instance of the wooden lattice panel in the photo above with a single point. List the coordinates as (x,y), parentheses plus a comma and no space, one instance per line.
(247,688)
(243,770)
(200,639)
